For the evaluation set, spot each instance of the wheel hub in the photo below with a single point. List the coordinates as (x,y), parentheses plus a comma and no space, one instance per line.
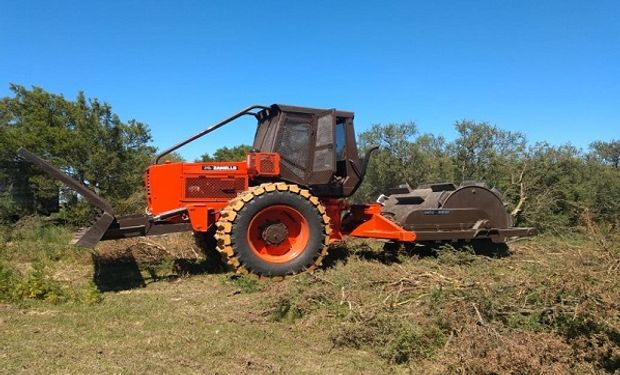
(274,234)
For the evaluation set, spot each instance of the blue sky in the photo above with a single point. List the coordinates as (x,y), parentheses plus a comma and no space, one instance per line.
(550,69)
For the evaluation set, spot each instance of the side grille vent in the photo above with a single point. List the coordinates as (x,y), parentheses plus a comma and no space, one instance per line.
(213,187)
(264,164)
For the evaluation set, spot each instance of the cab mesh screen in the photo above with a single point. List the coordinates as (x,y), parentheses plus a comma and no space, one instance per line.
(324,132)
(293,146)
(323,160)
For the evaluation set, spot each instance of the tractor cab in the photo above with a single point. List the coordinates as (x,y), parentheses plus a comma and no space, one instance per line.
(317,148)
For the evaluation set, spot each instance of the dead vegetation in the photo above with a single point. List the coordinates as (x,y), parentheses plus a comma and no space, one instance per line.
(547,305)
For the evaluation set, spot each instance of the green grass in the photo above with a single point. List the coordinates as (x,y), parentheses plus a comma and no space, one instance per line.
(244,283)
(549,305)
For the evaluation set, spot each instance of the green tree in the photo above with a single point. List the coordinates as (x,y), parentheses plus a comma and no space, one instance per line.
(83,137)
(236,153)
(550,187)
(606,152)
(482,150)
(555,186)
(173,157)
(404,157)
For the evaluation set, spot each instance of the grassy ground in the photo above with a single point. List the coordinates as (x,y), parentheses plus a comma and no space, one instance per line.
(547,305)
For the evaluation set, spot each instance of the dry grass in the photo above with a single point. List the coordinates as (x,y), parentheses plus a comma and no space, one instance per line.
(548,305)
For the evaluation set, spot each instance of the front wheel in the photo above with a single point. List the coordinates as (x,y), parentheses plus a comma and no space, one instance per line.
(274,230)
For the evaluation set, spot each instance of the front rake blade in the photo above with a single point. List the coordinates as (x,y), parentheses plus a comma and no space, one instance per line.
(91,237)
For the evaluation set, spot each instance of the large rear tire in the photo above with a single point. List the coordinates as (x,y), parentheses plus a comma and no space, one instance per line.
(274,229)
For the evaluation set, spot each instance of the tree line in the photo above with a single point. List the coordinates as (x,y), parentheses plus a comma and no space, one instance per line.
(547,186)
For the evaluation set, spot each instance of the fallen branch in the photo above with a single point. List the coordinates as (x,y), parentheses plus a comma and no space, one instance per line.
(317,277)
(480,320)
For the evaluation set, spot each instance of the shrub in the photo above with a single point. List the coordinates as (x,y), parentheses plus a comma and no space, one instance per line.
(287,309)
(7,282)
(391,336)
(91,294)
(38,285)
(245,283)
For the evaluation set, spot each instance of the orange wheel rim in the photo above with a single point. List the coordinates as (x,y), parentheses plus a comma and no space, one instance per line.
(278,234)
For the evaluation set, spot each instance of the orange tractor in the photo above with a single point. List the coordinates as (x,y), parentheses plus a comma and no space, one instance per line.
(277,212)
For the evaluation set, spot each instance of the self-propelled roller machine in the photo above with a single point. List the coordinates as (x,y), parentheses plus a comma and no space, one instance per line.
(277,212)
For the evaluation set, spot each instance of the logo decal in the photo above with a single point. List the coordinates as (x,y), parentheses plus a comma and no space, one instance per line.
(220,167)
(436,212)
